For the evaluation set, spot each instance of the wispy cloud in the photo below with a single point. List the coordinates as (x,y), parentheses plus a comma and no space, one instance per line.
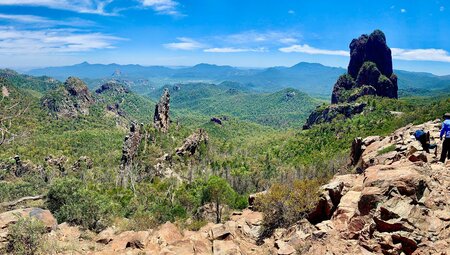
(184,43)
(234,50)
(305,48)
(14,41)
(257,37)
(81,6)
(442,8)
(38,21)
(292,12)
(403,10)
(439,55)
(421,54)
(167,7)
(288,40)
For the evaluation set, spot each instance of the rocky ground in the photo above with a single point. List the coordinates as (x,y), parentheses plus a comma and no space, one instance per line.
(399,204)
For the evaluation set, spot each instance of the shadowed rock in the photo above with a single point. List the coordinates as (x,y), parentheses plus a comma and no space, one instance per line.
(129,151)
(369,71)
(192,143)
(161,117)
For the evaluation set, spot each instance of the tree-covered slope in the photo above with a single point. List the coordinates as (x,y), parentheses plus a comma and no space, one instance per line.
(285,108)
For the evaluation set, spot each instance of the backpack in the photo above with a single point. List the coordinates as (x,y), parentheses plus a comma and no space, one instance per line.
(418,134)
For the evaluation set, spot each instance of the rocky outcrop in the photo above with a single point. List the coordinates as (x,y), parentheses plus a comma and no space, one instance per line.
(129,151)
(397,205)
(370,70)
(235,236)
(11,217)
(112,87)
(327,114)
(401,145)
(161,118)
(70,100)
(192,143)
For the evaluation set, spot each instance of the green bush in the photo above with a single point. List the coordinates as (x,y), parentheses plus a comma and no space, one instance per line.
(72,202)
(26,237)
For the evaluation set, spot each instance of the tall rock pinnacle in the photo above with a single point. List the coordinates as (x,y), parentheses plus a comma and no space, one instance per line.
(161,117)
(370,70)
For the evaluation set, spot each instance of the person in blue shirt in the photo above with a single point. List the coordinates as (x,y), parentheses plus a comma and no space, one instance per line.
(445,133)
(424,139)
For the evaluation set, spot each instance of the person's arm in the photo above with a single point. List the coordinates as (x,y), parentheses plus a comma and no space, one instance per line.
(442,131)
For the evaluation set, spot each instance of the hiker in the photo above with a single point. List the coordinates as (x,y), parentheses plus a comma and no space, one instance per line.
(424,139)
(445,132)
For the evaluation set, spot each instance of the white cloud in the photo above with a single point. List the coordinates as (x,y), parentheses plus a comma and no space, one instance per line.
(292,12)
(38,21)
(255,37)
(305,48)
(421,54)
(442,8)
(184,43)
(402,10)
(18,41)
(288,40)
(168,7)
(24,18)
(81,6)
(235,50)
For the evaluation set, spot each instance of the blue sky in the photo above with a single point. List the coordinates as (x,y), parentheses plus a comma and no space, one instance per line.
(251,33)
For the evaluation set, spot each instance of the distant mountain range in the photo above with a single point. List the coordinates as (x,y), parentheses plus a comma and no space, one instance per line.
(312,78)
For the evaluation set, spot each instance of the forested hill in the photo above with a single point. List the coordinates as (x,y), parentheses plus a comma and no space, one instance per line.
(311,78)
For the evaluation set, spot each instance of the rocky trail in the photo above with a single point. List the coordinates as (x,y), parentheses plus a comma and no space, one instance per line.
(398,204)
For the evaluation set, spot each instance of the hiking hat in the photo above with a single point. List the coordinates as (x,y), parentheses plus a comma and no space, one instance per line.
(447,116)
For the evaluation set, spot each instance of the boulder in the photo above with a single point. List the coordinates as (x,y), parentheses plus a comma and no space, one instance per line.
(11,217)
(220,232)
(129,239)
(225,247)
(168,234)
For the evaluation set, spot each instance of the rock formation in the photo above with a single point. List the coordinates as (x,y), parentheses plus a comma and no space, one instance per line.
(70,100)
(192,143)
(129,150)
(112,86)
(161,117)
(325,115)
(369,71)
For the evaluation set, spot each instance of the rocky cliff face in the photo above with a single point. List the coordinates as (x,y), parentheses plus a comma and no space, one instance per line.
(161,117)
(70,100)
(329,113)
(369,71)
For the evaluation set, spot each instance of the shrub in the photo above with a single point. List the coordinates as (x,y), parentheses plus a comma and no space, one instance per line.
(386,150)
(26,236)
(72,202)
(285,204)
